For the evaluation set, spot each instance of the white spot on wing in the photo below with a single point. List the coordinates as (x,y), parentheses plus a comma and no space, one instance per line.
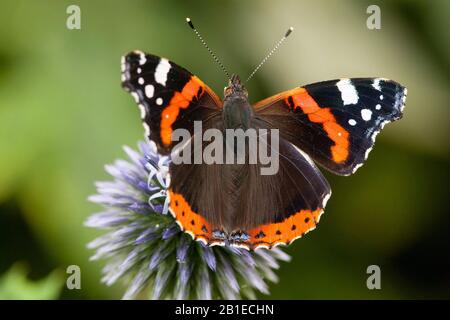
(142,58)
(348,91)
(122,63)
(376,84)
(378,107)
(143,112)
(149,91)
(162,70)
(141,80)
(405,93)
(135,96)
(359,165)
(146,129)
(159,101)
(190,233)
(279,244)
(366,155)
(352,122)
(366,114)
(325,200)
(321,212)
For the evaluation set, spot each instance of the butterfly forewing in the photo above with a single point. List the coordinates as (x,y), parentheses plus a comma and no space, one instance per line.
(168,96)
(336,121)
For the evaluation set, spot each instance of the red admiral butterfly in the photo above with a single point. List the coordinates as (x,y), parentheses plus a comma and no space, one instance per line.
(333,122)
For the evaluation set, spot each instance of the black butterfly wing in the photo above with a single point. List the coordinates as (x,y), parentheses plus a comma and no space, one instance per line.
(336,121)
(169,96)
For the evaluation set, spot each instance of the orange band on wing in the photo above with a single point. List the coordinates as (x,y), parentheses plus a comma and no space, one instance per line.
(188,220)
(180,100)
(268,235)
(316,114)
(284,232)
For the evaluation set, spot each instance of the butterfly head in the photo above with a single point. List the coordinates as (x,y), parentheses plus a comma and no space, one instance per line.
(235,88)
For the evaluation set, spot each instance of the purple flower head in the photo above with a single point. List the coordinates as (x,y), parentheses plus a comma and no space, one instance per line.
(145,248)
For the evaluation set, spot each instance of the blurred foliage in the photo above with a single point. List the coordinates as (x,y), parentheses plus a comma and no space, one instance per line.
(63,115)
(14,285)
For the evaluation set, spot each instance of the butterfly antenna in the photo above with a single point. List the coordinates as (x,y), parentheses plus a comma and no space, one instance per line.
(275,48)
(188,20)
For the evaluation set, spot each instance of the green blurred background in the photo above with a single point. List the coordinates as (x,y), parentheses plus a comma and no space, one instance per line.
(63,115)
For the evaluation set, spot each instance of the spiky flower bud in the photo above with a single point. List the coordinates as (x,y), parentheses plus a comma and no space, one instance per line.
(145,248)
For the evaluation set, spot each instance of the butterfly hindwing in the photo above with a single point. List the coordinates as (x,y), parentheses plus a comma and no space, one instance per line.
(169,96)
(336,121)
(236,204)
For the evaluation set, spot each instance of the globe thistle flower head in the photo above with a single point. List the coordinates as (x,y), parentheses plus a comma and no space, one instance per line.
(145,248)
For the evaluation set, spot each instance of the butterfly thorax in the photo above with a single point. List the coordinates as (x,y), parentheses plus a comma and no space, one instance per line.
(237,110)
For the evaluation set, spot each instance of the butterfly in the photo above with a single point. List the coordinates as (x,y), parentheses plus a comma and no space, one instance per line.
(332,123)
